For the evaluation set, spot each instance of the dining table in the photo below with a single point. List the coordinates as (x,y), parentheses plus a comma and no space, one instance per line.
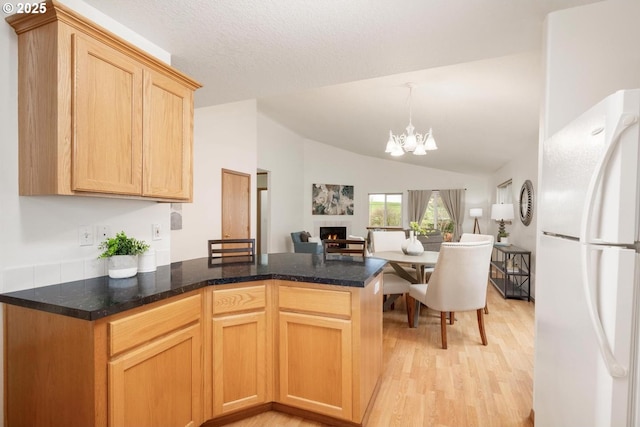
(397,259)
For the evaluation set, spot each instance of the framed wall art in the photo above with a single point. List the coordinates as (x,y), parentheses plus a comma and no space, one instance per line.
(330,199)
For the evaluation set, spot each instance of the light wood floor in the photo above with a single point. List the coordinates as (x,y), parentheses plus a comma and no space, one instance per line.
(465,386)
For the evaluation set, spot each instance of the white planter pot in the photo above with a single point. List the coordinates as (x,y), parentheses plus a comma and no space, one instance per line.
(147,261)
(123,266)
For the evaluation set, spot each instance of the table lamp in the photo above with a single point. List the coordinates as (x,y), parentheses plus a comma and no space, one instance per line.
(502,212)
(476,213)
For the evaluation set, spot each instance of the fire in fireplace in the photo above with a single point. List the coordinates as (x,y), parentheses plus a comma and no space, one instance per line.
(332,233)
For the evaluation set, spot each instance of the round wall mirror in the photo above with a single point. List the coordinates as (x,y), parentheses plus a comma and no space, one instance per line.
(526,202)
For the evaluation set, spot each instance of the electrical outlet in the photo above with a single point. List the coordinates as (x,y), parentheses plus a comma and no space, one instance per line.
(155,232)
(85,235)
(102,231)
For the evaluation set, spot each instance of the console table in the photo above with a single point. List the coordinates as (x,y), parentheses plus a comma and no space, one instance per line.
(510,271)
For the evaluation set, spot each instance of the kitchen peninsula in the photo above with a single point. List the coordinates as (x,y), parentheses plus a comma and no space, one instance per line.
(195,342)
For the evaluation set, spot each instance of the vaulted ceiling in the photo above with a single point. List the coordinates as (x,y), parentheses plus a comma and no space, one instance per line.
(335,71)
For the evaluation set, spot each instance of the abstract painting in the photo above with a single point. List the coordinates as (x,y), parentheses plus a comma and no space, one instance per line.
(330,199)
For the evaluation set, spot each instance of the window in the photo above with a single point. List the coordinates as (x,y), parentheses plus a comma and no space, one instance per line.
(385,210)
(436,217)
(503,193)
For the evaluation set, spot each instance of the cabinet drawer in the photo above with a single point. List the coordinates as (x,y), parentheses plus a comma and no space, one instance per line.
(239,299)
(315,300)
(131,331)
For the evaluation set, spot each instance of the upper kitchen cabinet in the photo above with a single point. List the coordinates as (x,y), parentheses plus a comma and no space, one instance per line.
(98,116)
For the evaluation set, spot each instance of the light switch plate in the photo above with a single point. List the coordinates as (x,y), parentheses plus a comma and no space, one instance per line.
(85,235)
(102,231)
(156,232)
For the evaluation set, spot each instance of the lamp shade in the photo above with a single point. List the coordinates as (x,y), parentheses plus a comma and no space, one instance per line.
(475,212)
(503,211)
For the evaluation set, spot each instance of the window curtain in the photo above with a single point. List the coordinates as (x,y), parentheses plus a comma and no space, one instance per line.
(418,201)
(454,204)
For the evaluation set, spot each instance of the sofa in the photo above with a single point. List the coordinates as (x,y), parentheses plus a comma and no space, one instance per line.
(302,245)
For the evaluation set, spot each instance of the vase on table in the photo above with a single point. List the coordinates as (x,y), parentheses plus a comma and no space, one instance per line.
(412,246)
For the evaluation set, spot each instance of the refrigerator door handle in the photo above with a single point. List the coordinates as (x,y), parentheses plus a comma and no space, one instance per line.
(615,369)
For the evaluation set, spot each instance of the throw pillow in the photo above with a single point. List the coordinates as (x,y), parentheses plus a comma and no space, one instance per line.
(304,236)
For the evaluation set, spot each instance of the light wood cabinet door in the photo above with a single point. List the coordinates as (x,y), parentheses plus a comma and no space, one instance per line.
(316,363)
(97,115)
(106,145)
(239,361)
(167,138)
(158,384)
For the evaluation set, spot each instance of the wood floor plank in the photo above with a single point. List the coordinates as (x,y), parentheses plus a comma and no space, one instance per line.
(468,384)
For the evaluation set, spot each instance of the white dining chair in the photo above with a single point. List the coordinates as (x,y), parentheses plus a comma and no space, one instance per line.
(383,241)
(470,237)
(387,240)
(393,285)
(458,283)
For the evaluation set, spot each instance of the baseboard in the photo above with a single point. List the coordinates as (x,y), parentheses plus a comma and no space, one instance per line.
(237,416)
(313,416)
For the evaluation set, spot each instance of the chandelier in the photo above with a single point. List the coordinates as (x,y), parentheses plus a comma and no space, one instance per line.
(411,142)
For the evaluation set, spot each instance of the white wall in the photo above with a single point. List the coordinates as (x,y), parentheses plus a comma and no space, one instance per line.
(224,137)
(117,28)
(40,244)
(523,167)
(281,153)
(295,164)
(329,165)
(39,235)
(591,52)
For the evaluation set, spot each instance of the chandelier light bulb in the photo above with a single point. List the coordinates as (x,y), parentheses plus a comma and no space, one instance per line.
(390,144)
(420,150)
(397,150)
(430,144)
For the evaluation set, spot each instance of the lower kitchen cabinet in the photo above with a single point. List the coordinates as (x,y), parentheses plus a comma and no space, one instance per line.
(158,384)
(315,364)
(329,347)
(315,350)
(155,366)
(241,373)
(138,368)
(211,355)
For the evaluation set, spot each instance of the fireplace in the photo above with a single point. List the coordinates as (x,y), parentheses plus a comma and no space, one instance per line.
(332,233)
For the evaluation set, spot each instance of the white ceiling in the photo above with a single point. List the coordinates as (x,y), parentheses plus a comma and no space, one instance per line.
(334,71)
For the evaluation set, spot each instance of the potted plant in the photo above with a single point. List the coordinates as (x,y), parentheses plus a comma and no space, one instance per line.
(503,237)
(446,228)
(417,228)
(122,254)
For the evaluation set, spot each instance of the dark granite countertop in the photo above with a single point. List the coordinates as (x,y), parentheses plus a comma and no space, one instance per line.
(99,297)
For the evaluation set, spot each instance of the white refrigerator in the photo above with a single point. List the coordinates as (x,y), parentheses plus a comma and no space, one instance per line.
(587,270)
